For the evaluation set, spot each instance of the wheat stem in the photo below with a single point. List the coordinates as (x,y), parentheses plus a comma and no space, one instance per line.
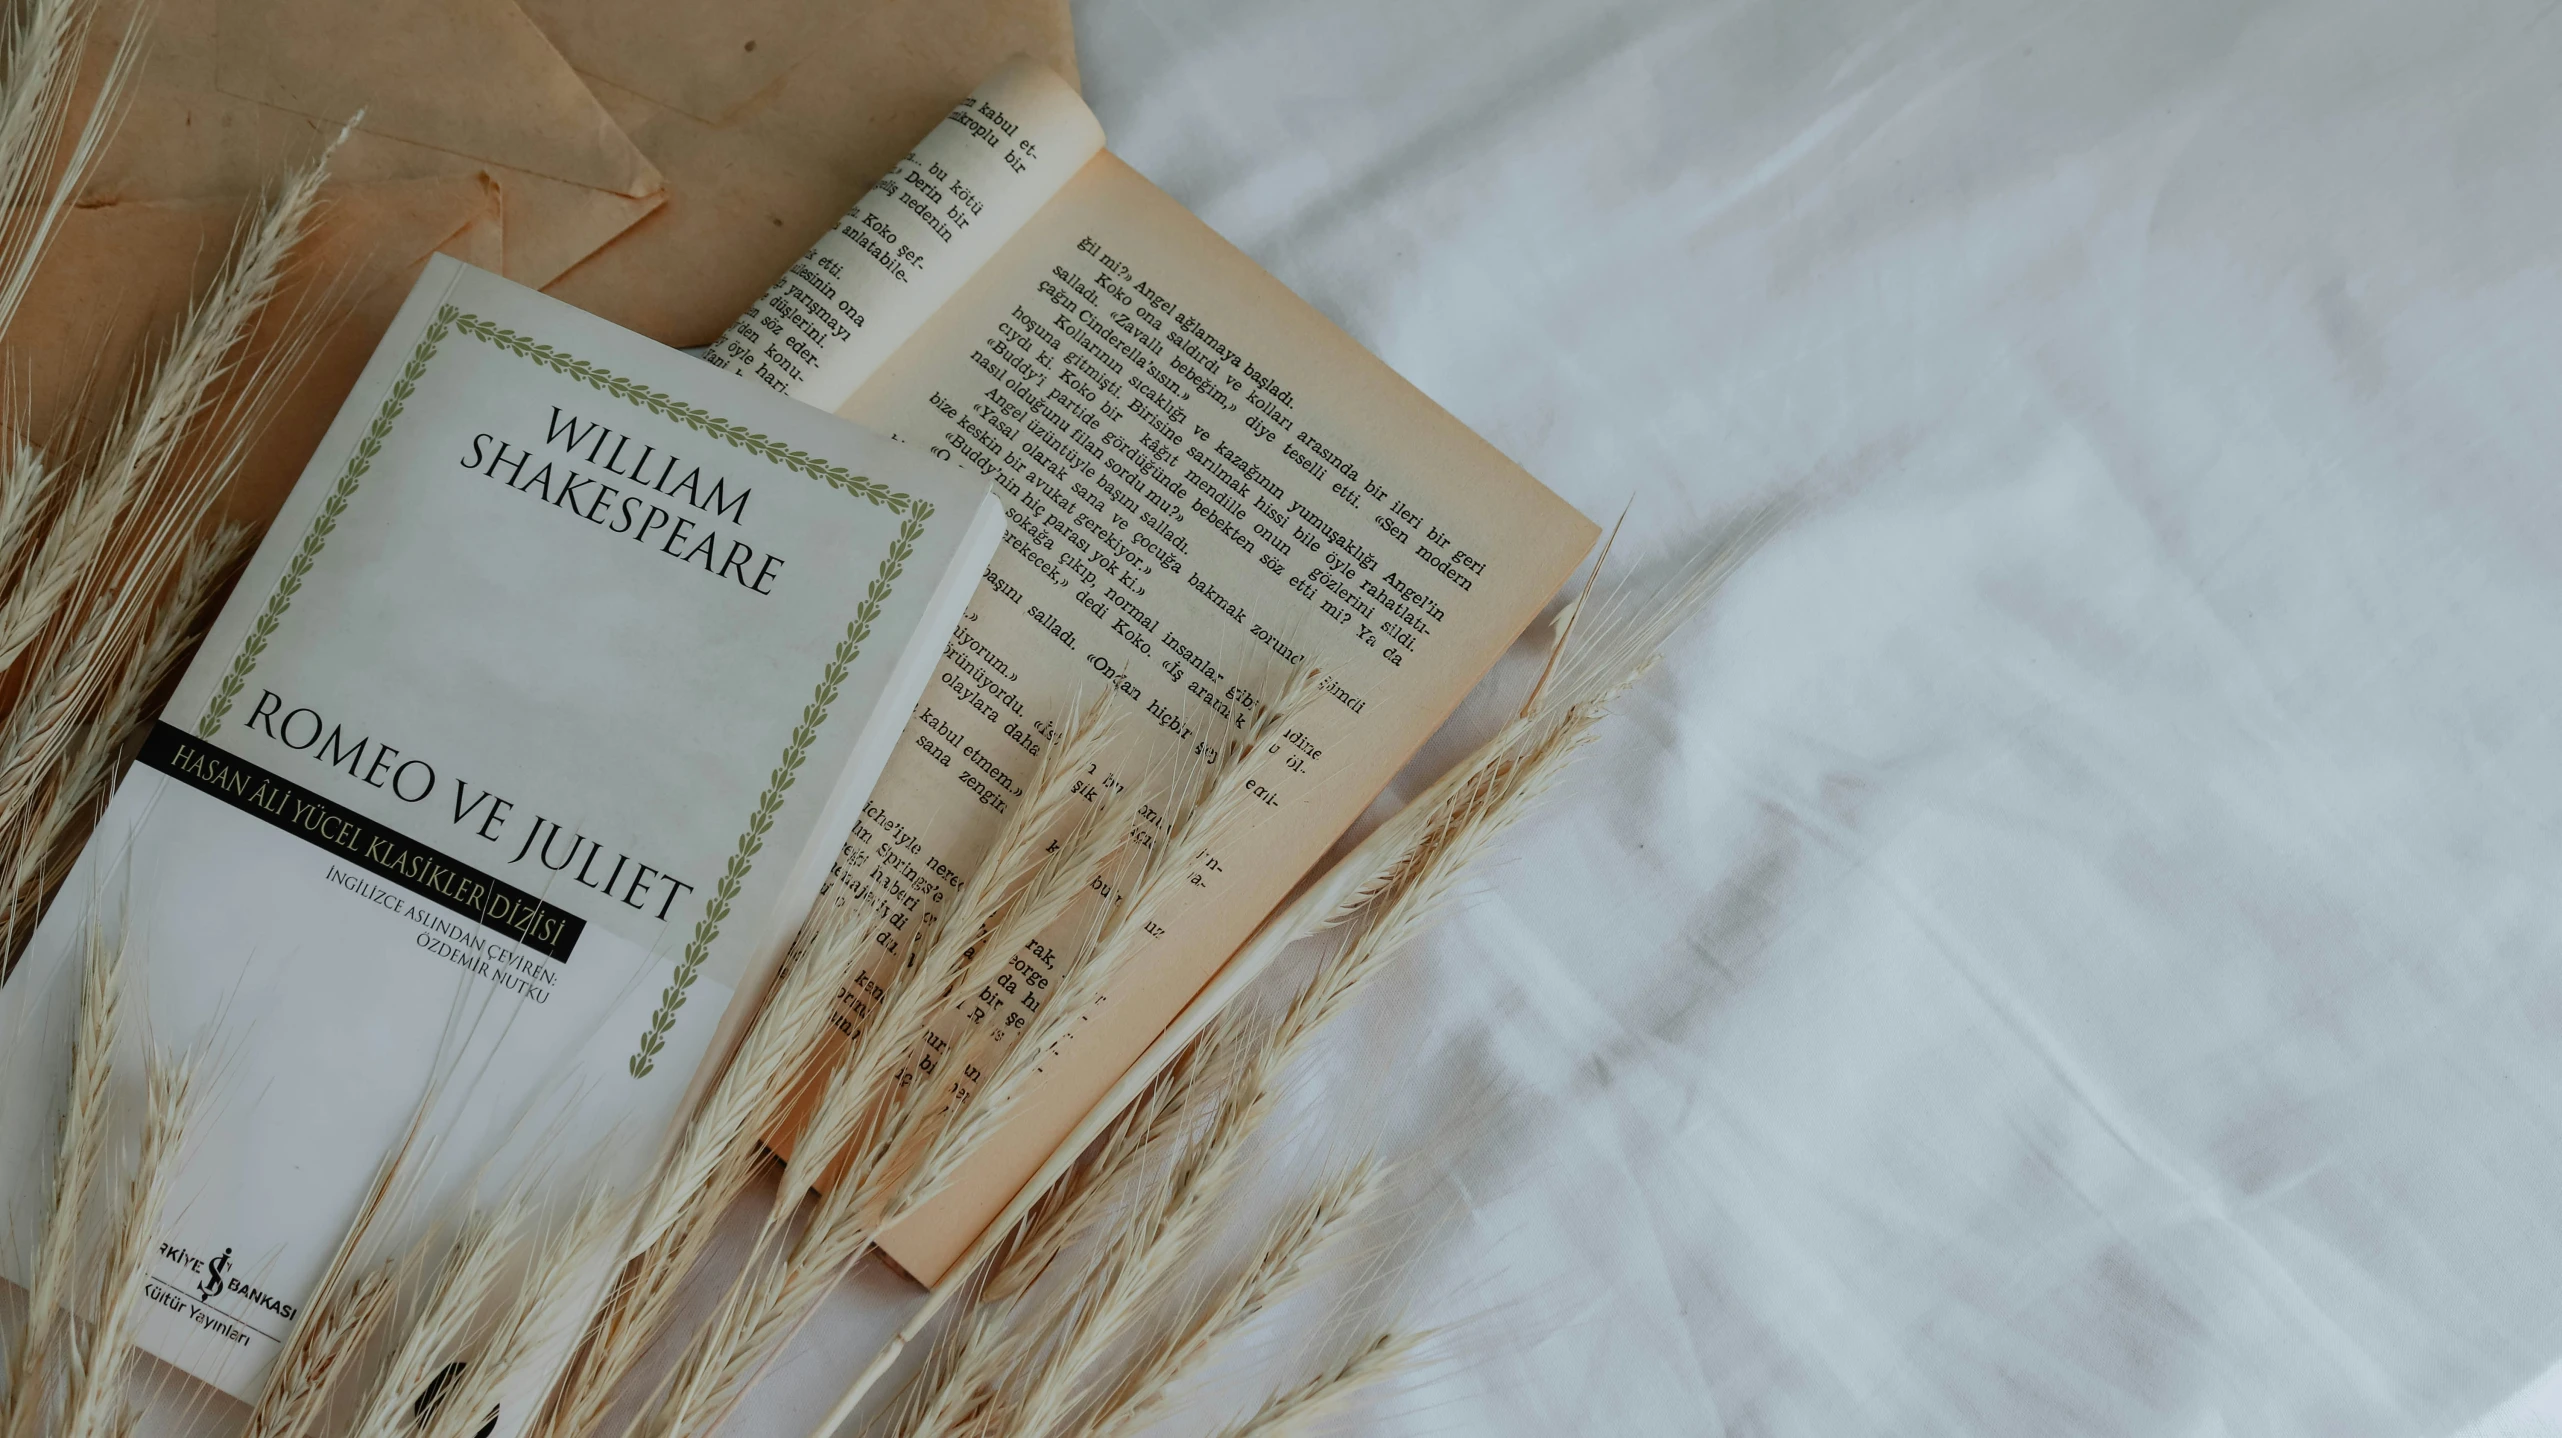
(875,1104)
(1455,819)
(144,445)
(444,1325)
(79,1154)
(539,1313)
(29,485)
(98,1405)
(1299,1409)
(38,180)
(1283,1262)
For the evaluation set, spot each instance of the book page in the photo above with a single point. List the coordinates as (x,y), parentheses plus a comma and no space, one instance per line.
(1208,485)
(915,237)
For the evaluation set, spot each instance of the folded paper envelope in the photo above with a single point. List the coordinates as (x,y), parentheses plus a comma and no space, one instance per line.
(235,91)
(703,145)
(768,117)
(117,277)
(478,140)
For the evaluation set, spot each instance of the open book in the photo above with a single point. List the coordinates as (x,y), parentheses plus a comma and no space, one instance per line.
(1208,485)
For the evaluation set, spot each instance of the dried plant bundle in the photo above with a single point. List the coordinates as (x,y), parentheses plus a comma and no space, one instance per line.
(142,462)
(1136,1270)
(323,1350)
(117,576)
(1285,1259)
(975,1381)
(1090,1305)
(536,1318)
(103,583)
(1164,1115)
(1104,1350)
(1395,881)
(716,1156)
(768,1078)
(353,1301)
(444,1321)
(39,177)
(1202,818)
(98,1406)
(37,1352)
(29,483)
(889,1140)
(90,768)
(67,1364)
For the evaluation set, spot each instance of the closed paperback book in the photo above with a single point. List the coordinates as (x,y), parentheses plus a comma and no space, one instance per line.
(499,786)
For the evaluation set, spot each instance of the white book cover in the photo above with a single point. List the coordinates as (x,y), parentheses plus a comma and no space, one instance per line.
(514,759)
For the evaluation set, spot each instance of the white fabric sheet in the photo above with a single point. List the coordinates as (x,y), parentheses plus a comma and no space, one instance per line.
(2068,946)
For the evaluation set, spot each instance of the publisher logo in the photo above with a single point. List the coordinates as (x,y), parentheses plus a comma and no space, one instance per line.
(211,1288)
(218,1287)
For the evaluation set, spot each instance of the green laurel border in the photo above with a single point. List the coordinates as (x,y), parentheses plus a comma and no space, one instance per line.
(693,417)
(451,319)
(785,771)
(323,525)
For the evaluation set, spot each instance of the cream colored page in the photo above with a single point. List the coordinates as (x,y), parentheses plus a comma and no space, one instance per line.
(915,237)
(1207,484)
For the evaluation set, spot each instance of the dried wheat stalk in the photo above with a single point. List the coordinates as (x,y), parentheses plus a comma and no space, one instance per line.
(1397,879)
(141,476)
(444,1323)
(875,1102)
(116,574)
(1283,1262)
(39,177)
(963,1387)
(973,1382)
(1169,1162)
(352,1302)
(1301,1408)
(146,456)
(1116,1303)
(1146,1133)
(89,770)
(549,1299)
(716,1159)
(40,1347)
(66,1370)
(99,598)
(29,484)
(1032,1373)
(1201,822)
(716,1156)
(891,1141)
(1030,881)
(323,1349)
(97,1405)
(720,1153)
